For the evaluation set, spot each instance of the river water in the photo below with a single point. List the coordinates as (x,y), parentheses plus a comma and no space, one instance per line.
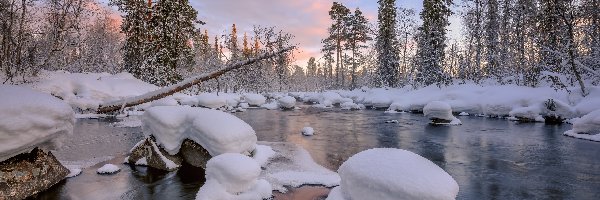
(489,158)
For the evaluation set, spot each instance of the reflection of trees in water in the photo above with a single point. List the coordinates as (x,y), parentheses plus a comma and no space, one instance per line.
(159,184)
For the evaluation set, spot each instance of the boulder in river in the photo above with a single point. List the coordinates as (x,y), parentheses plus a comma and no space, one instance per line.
(146,152)
(194,154)
(27,174)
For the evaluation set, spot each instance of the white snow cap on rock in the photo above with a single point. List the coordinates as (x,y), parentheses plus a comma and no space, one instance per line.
(393,174)
(29,118)
(211,100)
(108,169)
(438,109)
(287,102)
(308,131)
(233,176)
(218,132)
(586,127)
(254,99)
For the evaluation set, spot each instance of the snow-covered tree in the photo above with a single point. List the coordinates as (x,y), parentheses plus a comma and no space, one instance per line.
(387,44)
(431,43)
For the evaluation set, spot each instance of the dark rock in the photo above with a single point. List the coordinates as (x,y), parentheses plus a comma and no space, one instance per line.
(27,174)
(439,121)
(153,154)
(553,119)
(194,154)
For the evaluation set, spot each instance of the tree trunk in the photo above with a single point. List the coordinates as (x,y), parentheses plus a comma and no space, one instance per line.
(166,91)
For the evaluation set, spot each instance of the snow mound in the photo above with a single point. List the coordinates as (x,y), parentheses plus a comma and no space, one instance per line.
(530,113)
(210,100)
(271,105)
(254,99)
(436,110)
(88,90)
(218,132)
(73,172)
(351,106)
(262,154)
(586,127)
(287,102)
(463,114)
(292,166)
(392,174)
(308,131)
(439,110)
(29,118)
(108,169)
(232,176)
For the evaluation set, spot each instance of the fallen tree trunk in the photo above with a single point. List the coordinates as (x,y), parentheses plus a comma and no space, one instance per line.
(172,89)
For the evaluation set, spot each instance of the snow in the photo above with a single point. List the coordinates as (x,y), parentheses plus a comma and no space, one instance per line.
(88,90)
(262,154)
(108,169)
(144,162)
(463,114)
(31,119)
(393,121)
(287,102)
(308,131)
(211,100)
(73,172)
(292,166)
(391,174)
(586,127)
(271,105)
(218,132)
(129,122)
(233,176)
(530,112)
(167,101)
(351,106)
(440,110)
(254,99)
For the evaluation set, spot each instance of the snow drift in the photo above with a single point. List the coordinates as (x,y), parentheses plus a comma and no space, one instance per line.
(29,118)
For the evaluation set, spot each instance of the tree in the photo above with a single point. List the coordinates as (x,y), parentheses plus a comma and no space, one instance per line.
(357,36)
(431,43)
(387,44)
(337,36)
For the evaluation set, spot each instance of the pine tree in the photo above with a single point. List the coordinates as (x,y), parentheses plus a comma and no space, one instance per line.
(337,36)
(135,27)
(431,43)
(357,36)
(387,44)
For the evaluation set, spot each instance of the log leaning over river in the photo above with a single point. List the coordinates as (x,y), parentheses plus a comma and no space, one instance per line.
(169,90)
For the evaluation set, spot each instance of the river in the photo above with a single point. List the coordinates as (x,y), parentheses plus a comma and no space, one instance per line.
(489,158)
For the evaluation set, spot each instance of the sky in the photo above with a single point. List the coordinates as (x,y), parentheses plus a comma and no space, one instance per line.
(307,20)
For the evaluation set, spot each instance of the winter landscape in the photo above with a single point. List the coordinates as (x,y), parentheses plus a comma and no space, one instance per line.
(312,99)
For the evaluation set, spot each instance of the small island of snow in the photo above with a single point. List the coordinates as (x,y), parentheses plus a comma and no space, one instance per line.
(108,169)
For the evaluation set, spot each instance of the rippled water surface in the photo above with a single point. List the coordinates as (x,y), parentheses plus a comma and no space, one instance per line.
(489,158)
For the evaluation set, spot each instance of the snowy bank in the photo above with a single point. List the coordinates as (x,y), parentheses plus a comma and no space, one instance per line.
(88,90)
(218,132)
(29,118)
(392,174)
(233,176)
(586,127)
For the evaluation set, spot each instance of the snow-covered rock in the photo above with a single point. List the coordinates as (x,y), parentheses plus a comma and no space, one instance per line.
(147,153)
(463,114)
(393,174)
(108,169)
(287,102)
(271,105)
(254,99)
(218,132)
(351,106)
(440,113)
(586,127)
(233,176)
(211,100)
(530,113)
(308,131)
(31,119)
